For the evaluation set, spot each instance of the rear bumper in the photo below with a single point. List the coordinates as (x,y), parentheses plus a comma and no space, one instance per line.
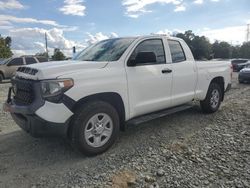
(244,77)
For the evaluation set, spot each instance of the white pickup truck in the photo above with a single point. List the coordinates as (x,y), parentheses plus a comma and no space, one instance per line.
(90,99)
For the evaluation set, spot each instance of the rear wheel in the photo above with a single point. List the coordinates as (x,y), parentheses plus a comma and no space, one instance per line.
(95,127)
(213,99)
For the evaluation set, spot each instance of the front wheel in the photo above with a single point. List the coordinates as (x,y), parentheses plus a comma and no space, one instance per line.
(213,99)
(95,127)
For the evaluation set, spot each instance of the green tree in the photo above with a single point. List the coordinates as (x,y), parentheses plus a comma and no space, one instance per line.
(44,54)
(236,51)
(188,36)
(8,41)
(58,55)
(5,51)
(203,49)
(200,46)
(245,50)
(222,50)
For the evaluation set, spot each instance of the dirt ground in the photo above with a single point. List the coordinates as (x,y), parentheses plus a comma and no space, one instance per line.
(159,153)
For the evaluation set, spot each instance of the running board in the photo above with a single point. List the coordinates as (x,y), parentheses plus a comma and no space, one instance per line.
(158,114)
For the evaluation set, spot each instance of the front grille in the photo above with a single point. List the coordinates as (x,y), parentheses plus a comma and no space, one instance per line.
(23,91)
(27,70)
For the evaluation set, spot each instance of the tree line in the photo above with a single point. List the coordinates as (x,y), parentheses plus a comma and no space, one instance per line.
(200,46)
(57,56)
(203,49)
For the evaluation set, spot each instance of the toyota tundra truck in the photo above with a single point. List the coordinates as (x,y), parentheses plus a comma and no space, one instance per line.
(110,84)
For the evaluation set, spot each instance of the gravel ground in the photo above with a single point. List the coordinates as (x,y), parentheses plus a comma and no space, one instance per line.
(186,149)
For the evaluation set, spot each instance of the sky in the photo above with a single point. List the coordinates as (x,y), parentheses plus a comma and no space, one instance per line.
(79,23)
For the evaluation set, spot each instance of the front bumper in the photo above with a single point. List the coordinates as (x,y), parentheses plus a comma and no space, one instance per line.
(34,125)
(38,127)
(40,118)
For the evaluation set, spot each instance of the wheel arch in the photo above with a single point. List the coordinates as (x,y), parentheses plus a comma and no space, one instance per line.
(110,97)
(221,82)
(1,72)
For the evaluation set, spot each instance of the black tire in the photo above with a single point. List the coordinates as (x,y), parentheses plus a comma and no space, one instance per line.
(81,120)
(209,105)
(1,78)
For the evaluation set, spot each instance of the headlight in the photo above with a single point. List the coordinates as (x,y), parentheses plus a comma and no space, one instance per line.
(52,90)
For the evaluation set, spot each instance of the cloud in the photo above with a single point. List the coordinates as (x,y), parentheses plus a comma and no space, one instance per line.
(28,41)
(73,7)
(9,18)
(4,22)
(31,40)
(198,2)
(93,38)
(234,35)
(7,22)
(169,32)
(164,32)
(180,8)
(5,25)
(135,8)
(10,4)
(113,35)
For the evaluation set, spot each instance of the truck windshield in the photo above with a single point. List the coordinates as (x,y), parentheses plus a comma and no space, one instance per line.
(106,50)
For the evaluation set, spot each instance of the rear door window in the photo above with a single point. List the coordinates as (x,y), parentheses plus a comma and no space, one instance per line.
(177,52)
(30,60)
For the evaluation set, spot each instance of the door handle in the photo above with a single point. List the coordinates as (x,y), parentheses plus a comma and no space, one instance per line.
(166,71)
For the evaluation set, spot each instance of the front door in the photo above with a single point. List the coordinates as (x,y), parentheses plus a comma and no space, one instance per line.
(149,82)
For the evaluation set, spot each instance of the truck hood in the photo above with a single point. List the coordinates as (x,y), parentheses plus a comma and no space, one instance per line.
(54,69)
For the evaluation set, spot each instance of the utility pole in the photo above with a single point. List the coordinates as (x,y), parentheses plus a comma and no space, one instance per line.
(46,46)
(231,50)
(248,32)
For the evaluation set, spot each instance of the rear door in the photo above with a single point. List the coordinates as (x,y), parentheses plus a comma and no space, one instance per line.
(149,83)
(184,73)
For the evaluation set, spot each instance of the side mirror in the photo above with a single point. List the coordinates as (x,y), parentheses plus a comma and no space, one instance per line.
(145,57)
